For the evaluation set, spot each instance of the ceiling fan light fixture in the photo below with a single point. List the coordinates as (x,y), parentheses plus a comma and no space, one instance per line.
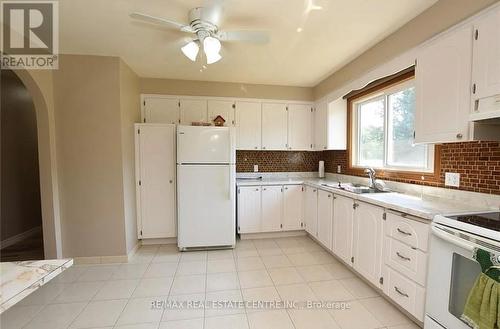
(213,58)
(190,50)
(211,47)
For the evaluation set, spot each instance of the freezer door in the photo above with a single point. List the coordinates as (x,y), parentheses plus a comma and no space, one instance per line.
(206,205)
(205,145)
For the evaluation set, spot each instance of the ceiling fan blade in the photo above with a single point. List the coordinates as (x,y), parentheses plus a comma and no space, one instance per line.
(246,36)
(161,21)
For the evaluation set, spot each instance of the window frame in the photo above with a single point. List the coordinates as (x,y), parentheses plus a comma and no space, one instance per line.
(396,172)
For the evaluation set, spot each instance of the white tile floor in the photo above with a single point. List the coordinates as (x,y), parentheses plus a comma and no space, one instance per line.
(120,296)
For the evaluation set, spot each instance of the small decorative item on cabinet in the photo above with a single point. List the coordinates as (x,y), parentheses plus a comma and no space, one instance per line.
(200,123)
(219,121)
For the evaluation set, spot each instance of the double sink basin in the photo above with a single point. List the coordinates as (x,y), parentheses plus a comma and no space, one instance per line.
(354,188)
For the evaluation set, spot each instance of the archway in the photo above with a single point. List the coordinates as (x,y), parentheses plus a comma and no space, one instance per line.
(40,87)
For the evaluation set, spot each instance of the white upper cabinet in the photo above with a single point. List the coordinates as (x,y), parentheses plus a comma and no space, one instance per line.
(321,126)
(343,217)
(272,208)
(300,127)
(249,209)
(292,207)
(248,125)
(311,210)
(443,89)
(325,213)
(330,125)
(274,126)
(223,108)
(160,110)
(193,110)
(486,63)
(367,241)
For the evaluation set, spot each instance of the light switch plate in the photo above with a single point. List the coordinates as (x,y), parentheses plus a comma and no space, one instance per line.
(452,179)
(255,168)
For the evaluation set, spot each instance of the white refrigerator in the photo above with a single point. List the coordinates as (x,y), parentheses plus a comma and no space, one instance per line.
(206,171)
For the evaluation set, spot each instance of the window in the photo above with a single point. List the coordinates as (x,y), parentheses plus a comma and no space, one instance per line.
(383,130)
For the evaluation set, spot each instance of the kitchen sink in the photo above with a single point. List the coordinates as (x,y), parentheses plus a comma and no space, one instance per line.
(354,188)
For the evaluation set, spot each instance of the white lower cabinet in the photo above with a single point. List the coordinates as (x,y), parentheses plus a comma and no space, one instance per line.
(367,241)
(292,207)
(272,208)
(325,213)
(269,208)
(405,292)
(388,249)
(343,217)
(249,209)
(311,210)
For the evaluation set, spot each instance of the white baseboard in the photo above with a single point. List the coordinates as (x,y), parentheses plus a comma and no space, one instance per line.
(146,242)
(132,252)
(101,260)
(268,235)
(19,237)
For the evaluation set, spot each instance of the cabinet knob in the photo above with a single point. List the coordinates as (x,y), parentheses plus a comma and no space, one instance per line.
(329,195)
(459,135)
(263,147)
(255,147)
(171,181)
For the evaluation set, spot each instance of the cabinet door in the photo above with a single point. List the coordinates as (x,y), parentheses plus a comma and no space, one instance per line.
(248,125)
(320,126)
(292,207)
(274,126)
(193,110)
(311,210)
(161,110)
(249,209)
(343,227)
(299,127)
(223,108)
(325,212)
(443,74)
(368,241)
(155,170)
(272,208)
(486,58)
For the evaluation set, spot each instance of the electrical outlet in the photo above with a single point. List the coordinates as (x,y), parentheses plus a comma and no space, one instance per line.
(339,169)
(452,179)
(255,168)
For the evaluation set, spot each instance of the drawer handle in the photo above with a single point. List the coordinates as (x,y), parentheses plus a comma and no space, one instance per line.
(400,292)
(402,257)
(403,232)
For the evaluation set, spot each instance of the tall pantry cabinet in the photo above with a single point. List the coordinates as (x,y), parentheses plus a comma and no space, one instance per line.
(155,180)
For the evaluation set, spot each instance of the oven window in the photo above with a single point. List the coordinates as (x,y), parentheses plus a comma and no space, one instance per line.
(464,273)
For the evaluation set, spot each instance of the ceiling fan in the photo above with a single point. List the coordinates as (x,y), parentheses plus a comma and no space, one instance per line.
(203,22)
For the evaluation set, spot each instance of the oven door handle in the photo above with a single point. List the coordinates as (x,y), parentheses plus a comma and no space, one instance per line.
(452,239)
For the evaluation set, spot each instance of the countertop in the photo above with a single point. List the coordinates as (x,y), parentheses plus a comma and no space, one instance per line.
(19,279)
(422,207)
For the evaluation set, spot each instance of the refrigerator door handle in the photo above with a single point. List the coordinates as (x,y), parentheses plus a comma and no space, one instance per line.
(231,185)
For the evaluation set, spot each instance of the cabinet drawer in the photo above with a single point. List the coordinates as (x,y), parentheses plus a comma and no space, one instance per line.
(410,232)
(408,261)
(405,292)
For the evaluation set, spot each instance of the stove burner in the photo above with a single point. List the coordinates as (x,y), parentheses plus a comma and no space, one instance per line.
(490,220)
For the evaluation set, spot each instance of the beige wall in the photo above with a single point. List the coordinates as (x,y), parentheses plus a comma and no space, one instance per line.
(20,182)
(439,17)
(223,89)
(130,113)
(88,134)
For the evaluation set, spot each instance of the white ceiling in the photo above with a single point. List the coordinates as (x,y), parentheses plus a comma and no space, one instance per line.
(330,37)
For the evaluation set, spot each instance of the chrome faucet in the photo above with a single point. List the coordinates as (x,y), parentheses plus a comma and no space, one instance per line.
(371,174)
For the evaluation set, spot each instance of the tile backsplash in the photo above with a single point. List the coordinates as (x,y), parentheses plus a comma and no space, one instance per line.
(278,161)
(477,162)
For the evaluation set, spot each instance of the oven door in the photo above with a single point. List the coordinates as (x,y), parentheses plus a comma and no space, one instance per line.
(452,273)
